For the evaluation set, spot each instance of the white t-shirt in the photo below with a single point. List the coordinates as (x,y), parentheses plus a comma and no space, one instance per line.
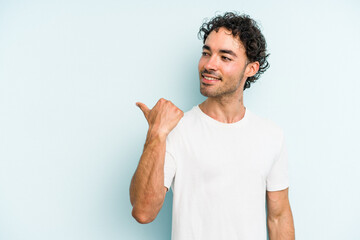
(219,174)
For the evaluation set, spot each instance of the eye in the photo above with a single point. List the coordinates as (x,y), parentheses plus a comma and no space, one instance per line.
(205,54)
(226,58)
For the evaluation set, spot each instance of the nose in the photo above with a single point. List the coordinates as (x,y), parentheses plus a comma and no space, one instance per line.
(211,63)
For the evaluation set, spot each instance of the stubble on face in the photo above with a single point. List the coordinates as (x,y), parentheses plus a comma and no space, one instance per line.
(229,74)
(224,90)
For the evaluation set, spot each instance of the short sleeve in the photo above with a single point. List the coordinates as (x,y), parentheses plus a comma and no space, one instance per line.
(169,169)
(277,178)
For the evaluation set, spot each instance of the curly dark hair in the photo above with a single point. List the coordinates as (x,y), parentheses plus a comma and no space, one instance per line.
(248,31)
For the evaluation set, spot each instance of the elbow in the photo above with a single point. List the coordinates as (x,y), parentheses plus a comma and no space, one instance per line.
(146,211)
(142,217)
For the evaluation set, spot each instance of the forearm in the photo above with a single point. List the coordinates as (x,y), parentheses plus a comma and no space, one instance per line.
(147,185)
(281,227)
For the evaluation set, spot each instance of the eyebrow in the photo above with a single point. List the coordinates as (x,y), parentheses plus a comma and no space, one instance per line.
(221,50)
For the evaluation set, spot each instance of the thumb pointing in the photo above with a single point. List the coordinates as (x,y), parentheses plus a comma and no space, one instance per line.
(143,108)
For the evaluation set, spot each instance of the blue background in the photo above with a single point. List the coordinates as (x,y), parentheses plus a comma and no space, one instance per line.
(71,135)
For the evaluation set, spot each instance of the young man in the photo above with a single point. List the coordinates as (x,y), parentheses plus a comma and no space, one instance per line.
(222,161)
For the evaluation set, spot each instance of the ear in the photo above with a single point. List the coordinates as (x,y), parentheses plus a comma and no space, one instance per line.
(252,68)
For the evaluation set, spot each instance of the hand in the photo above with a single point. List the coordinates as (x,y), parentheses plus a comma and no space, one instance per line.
(162,118)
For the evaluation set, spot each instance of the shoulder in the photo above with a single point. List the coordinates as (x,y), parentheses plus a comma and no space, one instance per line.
(265,127)
(186,122)
(177,136)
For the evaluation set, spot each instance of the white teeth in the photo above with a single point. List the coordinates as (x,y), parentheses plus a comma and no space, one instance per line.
(210,78)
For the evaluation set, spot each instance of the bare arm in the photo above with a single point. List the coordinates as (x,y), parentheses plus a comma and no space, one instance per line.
(147,190)
(280,219)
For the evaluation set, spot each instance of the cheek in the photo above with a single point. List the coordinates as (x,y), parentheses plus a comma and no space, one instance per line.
(229,71)
(201,63)
(233,70)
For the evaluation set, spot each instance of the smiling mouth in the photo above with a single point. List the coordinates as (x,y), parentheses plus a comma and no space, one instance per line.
(209,80)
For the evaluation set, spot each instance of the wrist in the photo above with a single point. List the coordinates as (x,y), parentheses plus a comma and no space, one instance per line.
(154,134)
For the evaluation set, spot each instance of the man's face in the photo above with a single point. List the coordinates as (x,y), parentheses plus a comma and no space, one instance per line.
(222,65)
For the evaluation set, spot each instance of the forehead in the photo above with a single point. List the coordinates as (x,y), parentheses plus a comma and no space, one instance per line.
(223,39)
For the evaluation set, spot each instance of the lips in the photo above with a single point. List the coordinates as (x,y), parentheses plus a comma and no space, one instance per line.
(209,79)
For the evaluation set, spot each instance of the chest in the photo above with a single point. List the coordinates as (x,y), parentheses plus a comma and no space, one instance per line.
(215,162)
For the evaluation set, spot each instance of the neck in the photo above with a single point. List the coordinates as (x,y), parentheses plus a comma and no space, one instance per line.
(224,109)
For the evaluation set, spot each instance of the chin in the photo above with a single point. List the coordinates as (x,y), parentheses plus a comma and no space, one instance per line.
(203,92)
(207,93)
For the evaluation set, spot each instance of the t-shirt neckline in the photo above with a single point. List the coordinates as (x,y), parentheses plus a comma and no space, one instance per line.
(222,124)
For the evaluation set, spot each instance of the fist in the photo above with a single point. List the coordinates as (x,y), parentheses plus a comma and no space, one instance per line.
(163,117)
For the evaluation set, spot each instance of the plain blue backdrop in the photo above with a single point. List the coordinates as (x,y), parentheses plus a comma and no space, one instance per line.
(71,135)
